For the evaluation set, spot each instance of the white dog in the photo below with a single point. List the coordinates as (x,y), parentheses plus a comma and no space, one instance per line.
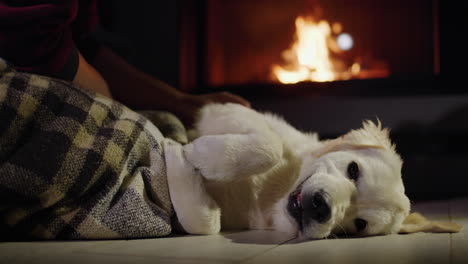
(248,170)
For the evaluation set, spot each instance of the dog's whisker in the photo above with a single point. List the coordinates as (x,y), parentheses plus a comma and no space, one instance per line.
(343,230)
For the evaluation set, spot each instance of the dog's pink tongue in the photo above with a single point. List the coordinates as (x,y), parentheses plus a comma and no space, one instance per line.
(299,199)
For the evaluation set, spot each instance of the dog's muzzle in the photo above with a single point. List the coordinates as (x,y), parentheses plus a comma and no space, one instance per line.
(306,208)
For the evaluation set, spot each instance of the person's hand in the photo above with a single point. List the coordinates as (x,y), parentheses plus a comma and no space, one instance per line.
(190,104)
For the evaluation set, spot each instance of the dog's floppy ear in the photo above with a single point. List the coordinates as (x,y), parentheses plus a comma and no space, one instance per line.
(340,144)
(370,134)
(415,222)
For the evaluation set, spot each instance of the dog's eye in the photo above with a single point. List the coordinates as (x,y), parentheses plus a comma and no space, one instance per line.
(353,171)
(360,224)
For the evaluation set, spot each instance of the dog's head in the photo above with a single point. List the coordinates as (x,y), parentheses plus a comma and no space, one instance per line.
(352,187)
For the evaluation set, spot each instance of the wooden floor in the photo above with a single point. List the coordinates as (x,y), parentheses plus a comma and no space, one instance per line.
(262,246)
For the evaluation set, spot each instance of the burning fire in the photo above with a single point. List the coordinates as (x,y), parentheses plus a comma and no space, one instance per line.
(309,58)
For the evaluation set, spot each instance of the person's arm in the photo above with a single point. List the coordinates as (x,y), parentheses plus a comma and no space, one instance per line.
(142,91)
(88,78)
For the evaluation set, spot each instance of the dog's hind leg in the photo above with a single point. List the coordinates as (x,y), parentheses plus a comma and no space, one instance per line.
(196,211)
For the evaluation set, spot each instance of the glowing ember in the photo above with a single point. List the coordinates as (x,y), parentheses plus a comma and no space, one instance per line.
(308,59)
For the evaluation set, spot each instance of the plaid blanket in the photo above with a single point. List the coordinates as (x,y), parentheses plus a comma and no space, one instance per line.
(76,165)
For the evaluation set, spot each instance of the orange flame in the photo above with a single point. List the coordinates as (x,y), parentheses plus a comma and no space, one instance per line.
(308,59)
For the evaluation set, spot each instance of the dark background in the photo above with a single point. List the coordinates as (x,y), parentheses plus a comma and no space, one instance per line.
(425,104)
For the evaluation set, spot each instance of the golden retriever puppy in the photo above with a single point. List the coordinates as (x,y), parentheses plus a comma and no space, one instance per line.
(251,170)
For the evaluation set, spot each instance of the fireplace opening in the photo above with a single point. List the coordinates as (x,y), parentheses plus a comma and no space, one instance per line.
(263,41)
(314,46)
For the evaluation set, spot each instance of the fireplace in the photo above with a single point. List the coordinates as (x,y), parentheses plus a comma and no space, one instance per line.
(243,42)
(238,44)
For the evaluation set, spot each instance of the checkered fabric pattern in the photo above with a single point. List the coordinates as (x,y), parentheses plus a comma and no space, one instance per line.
(76,165)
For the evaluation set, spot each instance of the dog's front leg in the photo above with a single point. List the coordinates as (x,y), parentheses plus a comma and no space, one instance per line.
(196,211)
(233,156)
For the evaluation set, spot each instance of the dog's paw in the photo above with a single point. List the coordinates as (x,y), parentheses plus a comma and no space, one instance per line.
(196,210)
(206,222)
(212,160)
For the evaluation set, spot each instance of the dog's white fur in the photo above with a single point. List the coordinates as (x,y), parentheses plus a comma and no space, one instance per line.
(240,171)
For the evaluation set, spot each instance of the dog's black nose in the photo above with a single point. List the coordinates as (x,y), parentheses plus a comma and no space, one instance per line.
(316,208)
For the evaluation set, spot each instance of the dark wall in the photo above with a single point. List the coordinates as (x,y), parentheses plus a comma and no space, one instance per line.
(146,33)
(453,28)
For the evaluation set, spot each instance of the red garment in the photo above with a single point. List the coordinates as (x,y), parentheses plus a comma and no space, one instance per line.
(39,36)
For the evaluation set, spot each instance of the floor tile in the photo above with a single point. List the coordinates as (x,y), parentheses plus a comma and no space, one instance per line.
(223,248)
(230,247)
(412,248)
(52,252)
(260,246)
